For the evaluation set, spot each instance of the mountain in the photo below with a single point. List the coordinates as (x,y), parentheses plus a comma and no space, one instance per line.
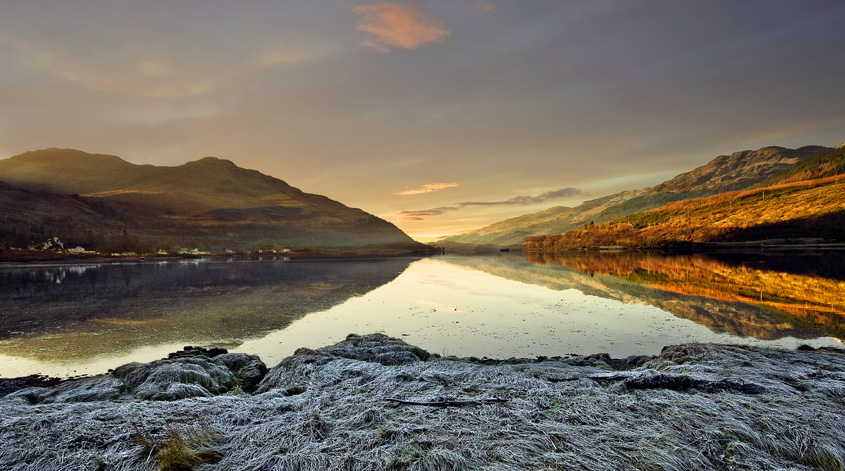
(737,171)
(740,170)
(104,203)
(786,212)
(819,166)
(550,221)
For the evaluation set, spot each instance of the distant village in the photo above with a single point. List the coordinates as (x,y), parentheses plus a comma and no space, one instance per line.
(54,245)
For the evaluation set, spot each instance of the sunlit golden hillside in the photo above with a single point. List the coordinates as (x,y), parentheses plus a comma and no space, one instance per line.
(813,209)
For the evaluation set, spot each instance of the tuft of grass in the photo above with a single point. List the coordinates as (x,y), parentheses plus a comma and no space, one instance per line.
(179,451)
(175,455)
(406,458)
(317,426)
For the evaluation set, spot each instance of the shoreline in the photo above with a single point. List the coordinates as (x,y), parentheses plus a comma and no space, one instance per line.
(190,351)
(375,402)
(766,246)
(316,253)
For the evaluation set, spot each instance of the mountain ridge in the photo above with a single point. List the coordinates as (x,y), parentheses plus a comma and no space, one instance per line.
(739,170)
(736,171)
(809,210)
(208,203)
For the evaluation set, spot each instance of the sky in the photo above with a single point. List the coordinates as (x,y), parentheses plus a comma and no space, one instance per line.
(437,115)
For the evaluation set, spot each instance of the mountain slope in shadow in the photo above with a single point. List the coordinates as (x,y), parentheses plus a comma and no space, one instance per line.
(104,203)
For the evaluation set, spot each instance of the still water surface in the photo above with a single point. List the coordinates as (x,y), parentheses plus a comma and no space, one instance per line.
(72,319)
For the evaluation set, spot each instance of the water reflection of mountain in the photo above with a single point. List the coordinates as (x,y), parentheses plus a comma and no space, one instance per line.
(734,298)
(87,310)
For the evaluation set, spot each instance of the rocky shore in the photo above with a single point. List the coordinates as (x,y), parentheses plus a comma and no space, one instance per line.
(374,402)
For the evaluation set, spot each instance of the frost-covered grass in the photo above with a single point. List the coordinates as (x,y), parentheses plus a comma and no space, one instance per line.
(327,409)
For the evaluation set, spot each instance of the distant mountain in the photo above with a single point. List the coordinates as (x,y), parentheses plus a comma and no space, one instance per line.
(104,203)
(737,171)
(550,221)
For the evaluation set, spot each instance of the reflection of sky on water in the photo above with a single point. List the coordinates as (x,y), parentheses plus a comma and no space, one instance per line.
(445,305)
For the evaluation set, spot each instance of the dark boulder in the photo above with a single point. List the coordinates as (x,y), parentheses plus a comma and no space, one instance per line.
(191,351)
(684,383)
(248,369)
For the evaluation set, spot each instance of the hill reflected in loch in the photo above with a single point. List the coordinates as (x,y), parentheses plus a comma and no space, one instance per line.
(77,313)
(766,296)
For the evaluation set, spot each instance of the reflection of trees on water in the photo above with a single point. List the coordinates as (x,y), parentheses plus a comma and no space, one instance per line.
(776,303)
(118,307)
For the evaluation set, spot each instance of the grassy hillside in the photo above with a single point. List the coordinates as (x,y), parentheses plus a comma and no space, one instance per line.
(104,203)
(819,166)
(807,209)
(740,170)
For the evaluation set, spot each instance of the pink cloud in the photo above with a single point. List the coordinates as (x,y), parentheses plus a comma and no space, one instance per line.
(427,188)
(392,25)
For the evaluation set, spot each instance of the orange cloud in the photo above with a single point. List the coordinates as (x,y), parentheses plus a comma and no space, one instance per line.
(427,188)
(391,25)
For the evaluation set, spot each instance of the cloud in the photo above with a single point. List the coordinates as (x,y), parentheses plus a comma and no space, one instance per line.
(485,5)
(391,25)
(420,215)
(141,70)
(427,188)
(417,216)
(523,200)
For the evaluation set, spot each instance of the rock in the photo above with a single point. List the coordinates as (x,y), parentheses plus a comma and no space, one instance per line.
(305,351)
(191,351)
(194,375)
(598,360)
(176,391)
(248,369)
(10,385)
(377,348)
(294,371)
(153,380)
(629,363)
(95,388)
(685,382)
